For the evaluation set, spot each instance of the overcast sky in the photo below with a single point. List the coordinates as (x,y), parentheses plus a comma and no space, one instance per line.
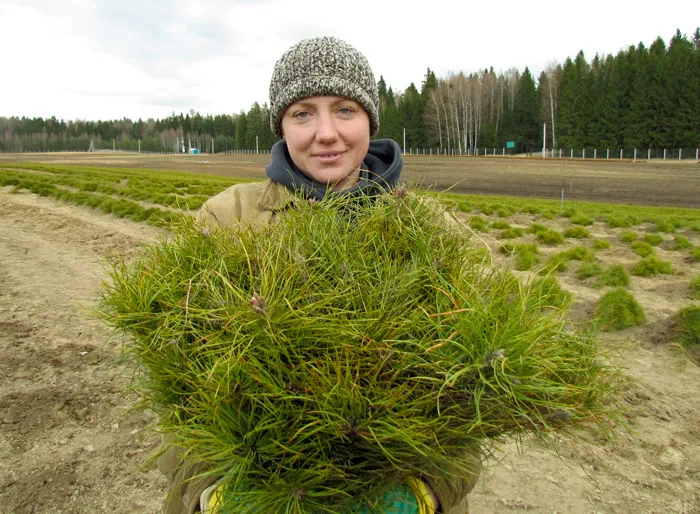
(107,59)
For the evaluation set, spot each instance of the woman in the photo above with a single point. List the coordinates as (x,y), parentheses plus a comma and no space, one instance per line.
(324,105)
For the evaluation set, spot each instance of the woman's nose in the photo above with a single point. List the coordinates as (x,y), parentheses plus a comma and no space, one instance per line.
(326,129)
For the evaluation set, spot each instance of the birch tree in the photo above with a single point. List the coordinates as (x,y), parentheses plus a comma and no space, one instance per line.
(550,84)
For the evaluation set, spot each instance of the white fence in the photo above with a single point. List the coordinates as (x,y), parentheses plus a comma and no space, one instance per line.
(569,153)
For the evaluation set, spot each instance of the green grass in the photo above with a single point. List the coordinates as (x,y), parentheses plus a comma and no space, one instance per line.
(478,223)
(621,221)
(526,254)
(653,239)
(695,254)
(601,244)
(687,330)
(582,219)
(628,236)
(536,228)
(138,194)
(512,233)
(577,233)
(617,310)
(665,225)
(615,215)
(550,237)
(500,225)
(374,336)
(588,270)
(551,291)
(558,262)
(650,266)
(680,243)
(642,248)
(695,287)
(614,276)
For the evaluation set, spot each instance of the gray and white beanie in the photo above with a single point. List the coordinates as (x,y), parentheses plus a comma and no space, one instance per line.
(322,66)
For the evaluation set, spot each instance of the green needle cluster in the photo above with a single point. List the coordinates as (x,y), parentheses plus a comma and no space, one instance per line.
(318,362)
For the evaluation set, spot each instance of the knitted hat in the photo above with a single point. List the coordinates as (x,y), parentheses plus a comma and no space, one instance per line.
(323,66)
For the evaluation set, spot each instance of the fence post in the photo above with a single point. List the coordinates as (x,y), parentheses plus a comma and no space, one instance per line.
(664,154)
(584,154)
(572,153)
(648,154)
(607,153)
(680,152)
(621,153)
(504,152)
(595,153)
(697,153)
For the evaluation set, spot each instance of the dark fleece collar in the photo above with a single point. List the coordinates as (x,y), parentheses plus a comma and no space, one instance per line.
(381,169)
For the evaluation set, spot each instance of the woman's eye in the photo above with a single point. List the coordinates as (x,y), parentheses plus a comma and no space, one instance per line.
(345,110)
(301,115)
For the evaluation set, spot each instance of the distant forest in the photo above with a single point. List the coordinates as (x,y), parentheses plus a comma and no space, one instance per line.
(645,98)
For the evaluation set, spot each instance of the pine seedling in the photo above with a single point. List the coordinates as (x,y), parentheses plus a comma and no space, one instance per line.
(695,254)
(687,329)
(642,248)
(695,287)
(653,239)
(577,233)
(550,237)
(319,362)
(512,233)
(628,236)
(601,244)
(588,270)
(618,310)
(681,243)
(500,225)
(650,266)
(614,276)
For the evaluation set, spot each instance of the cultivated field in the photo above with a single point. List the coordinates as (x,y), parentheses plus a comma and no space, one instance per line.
(70,442)
(672,183)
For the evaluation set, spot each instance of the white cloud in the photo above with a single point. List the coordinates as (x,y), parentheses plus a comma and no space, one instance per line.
(99,59)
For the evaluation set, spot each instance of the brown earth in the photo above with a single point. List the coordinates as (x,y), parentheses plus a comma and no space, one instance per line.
(655,182)
(70,442)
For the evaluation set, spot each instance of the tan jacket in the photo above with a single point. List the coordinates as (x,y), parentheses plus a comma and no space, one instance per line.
(254,205)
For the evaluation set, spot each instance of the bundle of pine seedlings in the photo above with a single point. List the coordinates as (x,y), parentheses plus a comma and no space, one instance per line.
(317,363)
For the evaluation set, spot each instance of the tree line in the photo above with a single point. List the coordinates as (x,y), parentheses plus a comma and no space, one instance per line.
(640,98)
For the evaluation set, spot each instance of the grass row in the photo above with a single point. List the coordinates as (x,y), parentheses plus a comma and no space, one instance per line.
(154,195)
(137,194)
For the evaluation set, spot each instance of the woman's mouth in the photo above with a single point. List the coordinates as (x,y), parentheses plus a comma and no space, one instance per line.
(327,157)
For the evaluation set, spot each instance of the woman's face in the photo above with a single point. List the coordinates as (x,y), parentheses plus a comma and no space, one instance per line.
(327,138)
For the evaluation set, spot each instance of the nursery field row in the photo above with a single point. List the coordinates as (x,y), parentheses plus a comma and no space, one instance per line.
(138,194)
(662,183)
(529,235)
(187,191)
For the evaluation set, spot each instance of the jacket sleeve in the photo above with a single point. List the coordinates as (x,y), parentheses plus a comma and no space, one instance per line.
(221,210)
(186,481)
(452,492)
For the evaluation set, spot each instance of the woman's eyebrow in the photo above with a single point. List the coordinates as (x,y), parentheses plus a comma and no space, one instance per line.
(302,104)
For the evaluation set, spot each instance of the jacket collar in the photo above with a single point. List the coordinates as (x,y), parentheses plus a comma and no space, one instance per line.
(382,166)
(275,197)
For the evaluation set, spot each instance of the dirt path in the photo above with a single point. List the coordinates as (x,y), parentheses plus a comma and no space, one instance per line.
(68,441)
(70,444)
